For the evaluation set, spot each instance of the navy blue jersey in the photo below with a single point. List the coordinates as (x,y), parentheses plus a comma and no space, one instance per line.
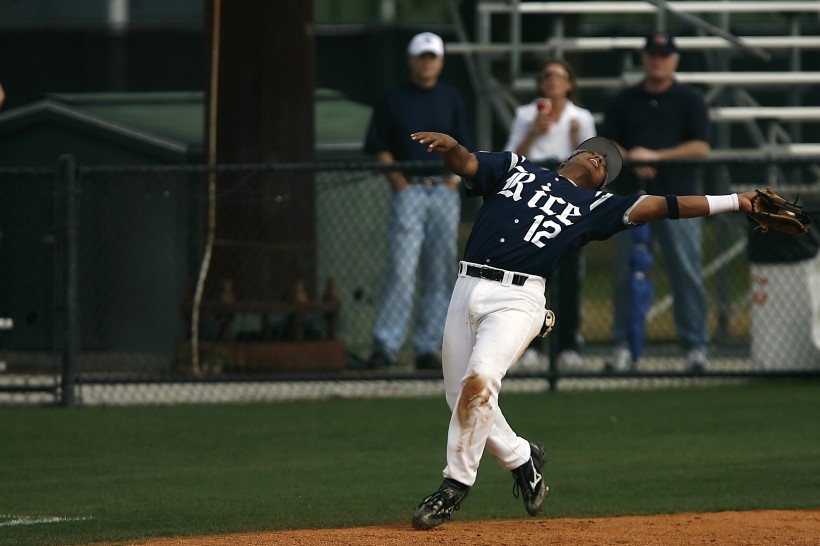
(657,121)
(404,109)
(531,216)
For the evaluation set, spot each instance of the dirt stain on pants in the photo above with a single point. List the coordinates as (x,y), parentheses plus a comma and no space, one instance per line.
(473,403)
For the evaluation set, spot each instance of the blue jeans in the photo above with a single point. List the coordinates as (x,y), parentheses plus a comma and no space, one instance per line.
(680,242)
(422,228)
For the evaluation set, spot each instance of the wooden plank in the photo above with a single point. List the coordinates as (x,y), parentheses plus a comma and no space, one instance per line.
(261,109)
(309,356)
(269,307)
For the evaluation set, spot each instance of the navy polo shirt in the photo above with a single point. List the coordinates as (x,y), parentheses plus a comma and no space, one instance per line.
(531,217)
(656,121)
(404,109)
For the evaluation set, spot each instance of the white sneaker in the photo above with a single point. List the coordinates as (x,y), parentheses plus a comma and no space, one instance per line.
(580,341)
(619,361)
(696,361)
(570,359)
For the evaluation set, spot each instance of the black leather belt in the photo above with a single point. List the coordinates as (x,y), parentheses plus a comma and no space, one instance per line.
(492,274)
(427,180)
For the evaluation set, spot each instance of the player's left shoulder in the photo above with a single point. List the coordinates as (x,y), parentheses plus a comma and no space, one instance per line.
(588,202)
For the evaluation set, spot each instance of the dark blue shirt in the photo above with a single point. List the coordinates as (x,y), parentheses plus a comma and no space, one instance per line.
(656,121)
(404,108)
(531,217)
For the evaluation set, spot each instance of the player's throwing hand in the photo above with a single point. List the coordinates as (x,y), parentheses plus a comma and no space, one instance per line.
(437,142)
(455,156)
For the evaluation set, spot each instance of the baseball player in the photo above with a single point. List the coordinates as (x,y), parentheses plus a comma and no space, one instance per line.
(529,219)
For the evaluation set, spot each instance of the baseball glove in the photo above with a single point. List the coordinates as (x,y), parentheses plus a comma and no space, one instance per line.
(769,210)
(549,323)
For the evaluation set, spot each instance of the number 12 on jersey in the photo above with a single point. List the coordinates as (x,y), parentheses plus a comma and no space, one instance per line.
(551,229)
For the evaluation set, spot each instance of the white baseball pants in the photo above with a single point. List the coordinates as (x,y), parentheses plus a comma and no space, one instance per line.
(489,326)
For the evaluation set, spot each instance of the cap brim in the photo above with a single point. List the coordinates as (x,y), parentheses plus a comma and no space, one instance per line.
(663,50)
(609,150)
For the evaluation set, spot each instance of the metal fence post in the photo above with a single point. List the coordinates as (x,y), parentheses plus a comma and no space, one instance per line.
(67,177)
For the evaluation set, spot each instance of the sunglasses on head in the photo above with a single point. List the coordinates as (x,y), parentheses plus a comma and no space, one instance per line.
(555,74)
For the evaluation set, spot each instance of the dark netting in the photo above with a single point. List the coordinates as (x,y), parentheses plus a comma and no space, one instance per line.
(263,282)
(31,285)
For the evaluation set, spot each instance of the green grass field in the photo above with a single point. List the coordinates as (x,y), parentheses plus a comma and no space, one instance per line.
(152,471)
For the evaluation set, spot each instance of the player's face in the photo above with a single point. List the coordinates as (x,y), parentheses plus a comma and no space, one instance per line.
(592,163)
(425,68)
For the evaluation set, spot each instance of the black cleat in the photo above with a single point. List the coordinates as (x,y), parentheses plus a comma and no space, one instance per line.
(437,508)
(379,361)
(529,480)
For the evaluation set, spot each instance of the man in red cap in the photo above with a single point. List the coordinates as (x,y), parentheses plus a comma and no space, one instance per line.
(661,118)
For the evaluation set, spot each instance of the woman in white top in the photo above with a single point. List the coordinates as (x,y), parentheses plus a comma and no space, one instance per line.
(551,133)
(542,134)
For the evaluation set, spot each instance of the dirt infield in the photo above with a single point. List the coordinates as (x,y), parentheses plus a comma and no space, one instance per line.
(761,528)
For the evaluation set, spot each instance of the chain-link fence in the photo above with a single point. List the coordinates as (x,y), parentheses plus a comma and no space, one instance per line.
(161,278)
(32,277)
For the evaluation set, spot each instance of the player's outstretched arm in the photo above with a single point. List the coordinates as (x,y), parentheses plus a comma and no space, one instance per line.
(454,155)
(655,207)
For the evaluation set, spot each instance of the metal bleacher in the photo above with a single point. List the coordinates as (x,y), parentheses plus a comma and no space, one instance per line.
(756,80)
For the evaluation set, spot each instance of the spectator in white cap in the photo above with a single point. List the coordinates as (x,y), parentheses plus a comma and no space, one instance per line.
(425,207)
(426,42)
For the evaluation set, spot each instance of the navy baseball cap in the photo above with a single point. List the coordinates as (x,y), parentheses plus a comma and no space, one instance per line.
(661,43)
(609,150)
